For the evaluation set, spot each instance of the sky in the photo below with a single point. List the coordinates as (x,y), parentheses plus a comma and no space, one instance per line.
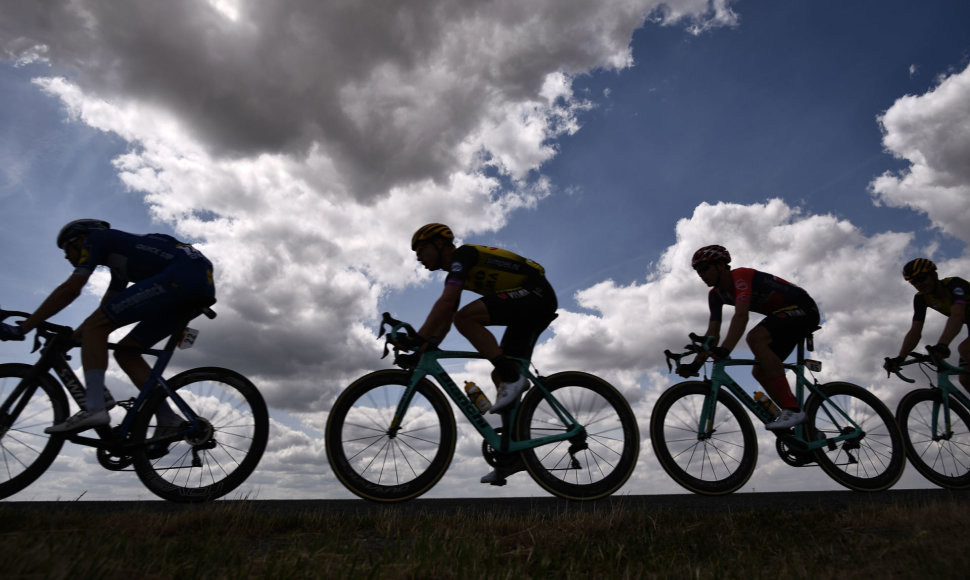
(300,143)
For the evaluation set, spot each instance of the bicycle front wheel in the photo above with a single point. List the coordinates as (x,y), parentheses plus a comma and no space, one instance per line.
(381,462)
(872,462)
(207,462)
(25,450)
(599,460)
(941,455)
(716,461)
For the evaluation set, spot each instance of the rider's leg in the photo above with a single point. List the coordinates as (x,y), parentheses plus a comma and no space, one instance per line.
(94,333)
(964,350)
(471,322)
(138,370)
(770,371)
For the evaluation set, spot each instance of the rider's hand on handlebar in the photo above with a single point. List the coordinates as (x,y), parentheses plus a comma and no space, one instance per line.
(939,352)
(688,370)
(892,364)
(408,341)
(719,353)
(11,331)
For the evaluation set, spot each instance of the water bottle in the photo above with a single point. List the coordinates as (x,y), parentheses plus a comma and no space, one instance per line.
(765,401)
(477,397)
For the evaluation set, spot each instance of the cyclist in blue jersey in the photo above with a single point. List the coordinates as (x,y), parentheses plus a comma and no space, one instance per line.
(948,296)
(156,281)
(514,293)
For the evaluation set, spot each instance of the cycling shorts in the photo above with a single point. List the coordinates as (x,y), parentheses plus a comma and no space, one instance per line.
(162,303)
(525,312)
(787,326)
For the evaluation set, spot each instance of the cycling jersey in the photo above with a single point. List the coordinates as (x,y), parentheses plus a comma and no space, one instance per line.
(132,258)
(956,291)
(168,280)
(765,294)
(488,270)
(514,290)
(790,313)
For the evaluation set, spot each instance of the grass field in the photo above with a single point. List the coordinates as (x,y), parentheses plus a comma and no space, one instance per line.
(234,540)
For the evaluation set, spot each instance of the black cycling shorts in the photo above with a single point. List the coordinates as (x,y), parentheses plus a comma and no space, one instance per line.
(790,325)
(525,312)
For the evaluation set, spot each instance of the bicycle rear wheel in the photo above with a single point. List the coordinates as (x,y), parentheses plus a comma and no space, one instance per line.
(594,464)
(943,455)
(208,462)
(873,462)
(25,450)
(377,461)
(716,462)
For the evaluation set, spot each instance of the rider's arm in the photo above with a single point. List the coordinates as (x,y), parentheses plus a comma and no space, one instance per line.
(61,296)
(911,340)
(954,323)
(442,313)
(738,323)
(713,330)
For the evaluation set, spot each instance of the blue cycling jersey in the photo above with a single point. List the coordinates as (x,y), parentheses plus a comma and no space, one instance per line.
(131,257)
(156,280)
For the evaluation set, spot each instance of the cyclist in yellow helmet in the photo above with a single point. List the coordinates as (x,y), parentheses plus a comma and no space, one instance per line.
(514,293)
(948,296)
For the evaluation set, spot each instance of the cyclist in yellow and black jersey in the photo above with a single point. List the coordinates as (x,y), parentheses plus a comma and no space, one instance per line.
(948,296)
(515,294)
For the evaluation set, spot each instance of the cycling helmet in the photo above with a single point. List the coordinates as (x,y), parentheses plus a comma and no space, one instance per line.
(916,267)
(429,232)
(78,228)
(710,254)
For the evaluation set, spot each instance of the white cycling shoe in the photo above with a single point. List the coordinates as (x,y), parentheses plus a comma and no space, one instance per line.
(508,393)
(80,421)
(786,420)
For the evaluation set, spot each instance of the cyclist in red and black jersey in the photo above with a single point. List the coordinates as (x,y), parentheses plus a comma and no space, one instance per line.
(790,315)
(515,294)
(948,296)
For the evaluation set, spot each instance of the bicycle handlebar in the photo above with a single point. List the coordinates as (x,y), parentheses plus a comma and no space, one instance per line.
(47,328)
(698,345)
(919,358)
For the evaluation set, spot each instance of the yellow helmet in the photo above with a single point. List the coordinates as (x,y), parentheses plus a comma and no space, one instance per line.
(431,231)
(916,267)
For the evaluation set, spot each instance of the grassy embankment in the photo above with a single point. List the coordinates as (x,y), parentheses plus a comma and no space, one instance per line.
(234,540)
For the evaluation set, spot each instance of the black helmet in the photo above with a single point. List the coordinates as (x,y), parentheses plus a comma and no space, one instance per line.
(914,268)
(78,228)
(710,254)
(429,232)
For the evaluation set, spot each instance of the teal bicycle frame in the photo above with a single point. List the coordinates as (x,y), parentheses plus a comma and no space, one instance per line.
(797,440)
(944,371)
(428,365)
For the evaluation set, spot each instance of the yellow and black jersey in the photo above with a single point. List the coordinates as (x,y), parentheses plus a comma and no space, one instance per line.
(955,291)
(488,270)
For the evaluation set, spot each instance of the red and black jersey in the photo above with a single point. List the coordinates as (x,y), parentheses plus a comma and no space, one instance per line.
(765,293)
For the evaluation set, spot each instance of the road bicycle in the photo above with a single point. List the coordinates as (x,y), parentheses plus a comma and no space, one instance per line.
(935,423)
(391,434)
(217,446)
(706,442)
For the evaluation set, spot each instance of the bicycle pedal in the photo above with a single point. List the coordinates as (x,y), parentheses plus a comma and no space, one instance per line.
(498,483)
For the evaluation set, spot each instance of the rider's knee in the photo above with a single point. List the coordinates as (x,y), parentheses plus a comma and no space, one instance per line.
(758,337)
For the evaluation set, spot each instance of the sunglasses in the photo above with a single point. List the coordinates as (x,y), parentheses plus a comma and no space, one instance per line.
(919,278)
(703,267)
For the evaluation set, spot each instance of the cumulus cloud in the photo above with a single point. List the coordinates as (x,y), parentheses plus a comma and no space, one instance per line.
(853,277)
(932,133)
(299,143)
(393,92)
